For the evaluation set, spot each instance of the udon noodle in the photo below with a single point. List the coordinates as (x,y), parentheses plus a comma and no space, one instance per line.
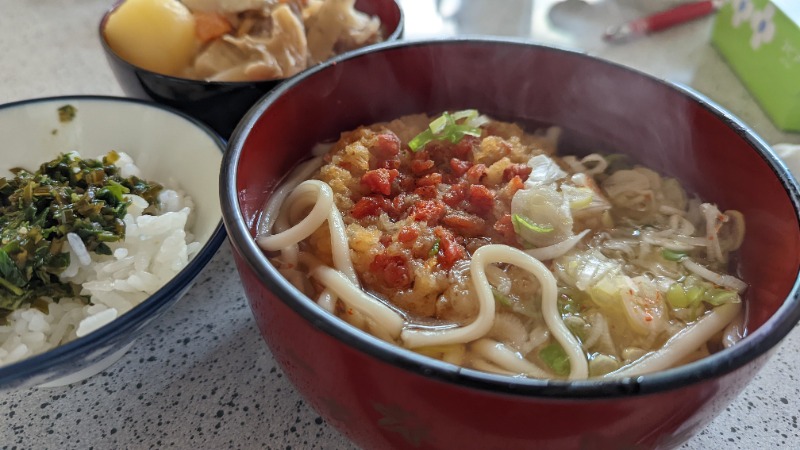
(468,240)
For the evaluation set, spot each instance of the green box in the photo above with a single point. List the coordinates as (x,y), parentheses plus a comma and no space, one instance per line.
(760,40)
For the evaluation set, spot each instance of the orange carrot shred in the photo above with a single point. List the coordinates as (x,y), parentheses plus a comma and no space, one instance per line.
(210,26)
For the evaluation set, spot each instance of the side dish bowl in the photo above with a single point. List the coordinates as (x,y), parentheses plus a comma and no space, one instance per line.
(381,396)
(220,103)
(168,147)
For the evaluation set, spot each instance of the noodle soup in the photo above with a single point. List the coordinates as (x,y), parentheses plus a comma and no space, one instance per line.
(472,241)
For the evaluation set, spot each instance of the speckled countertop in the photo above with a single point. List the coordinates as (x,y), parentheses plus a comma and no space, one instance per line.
(201,377)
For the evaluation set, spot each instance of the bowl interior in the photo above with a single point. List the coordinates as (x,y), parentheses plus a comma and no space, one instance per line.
(168,147)
(601,106)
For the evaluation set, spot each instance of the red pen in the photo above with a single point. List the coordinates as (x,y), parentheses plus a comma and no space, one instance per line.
(660,21)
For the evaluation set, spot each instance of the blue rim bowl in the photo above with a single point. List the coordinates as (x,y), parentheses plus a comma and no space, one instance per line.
(101,122)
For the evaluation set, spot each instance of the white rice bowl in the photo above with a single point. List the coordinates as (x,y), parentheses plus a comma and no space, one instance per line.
(155,249)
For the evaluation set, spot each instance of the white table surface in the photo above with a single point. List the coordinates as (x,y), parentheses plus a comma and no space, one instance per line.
(201,377)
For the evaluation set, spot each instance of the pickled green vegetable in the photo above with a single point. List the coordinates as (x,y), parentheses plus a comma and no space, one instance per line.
(37,211)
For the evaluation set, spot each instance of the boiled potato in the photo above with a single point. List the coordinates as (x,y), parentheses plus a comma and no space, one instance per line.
(158,35)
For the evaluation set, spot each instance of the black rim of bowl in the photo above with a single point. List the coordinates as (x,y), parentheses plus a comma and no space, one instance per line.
(755,345)
(392,37)
(17,373)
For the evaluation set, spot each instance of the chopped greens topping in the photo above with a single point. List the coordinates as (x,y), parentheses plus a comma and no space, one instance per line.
(556,359)
(672,255)
(447,128)
(434,249)
(523,222)
(66,113)
(38,210)
(716,297)
(691,292)
(501,298)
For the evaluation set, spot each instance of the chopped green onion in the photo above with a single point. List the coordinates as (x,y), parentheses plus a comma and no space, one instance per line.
(556,358)
(692,292)
(502,298)
(718,297)
(421,140)
(695,294)
(676,296)
(438,124)
(672,255)
(521,221)
(459,131)
(468,114)
(445,128)
(434,249)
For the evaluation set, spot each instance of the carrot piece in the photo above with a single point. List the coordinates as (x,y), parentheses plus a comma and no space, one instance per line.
(210,26)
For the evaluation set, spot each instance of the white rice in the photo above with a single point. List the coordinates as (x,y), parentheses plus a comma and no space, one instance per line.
(155,248)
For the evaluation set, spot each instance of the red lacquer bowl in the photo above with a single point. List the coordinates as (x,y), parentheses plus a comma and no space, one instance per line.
(381,396)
